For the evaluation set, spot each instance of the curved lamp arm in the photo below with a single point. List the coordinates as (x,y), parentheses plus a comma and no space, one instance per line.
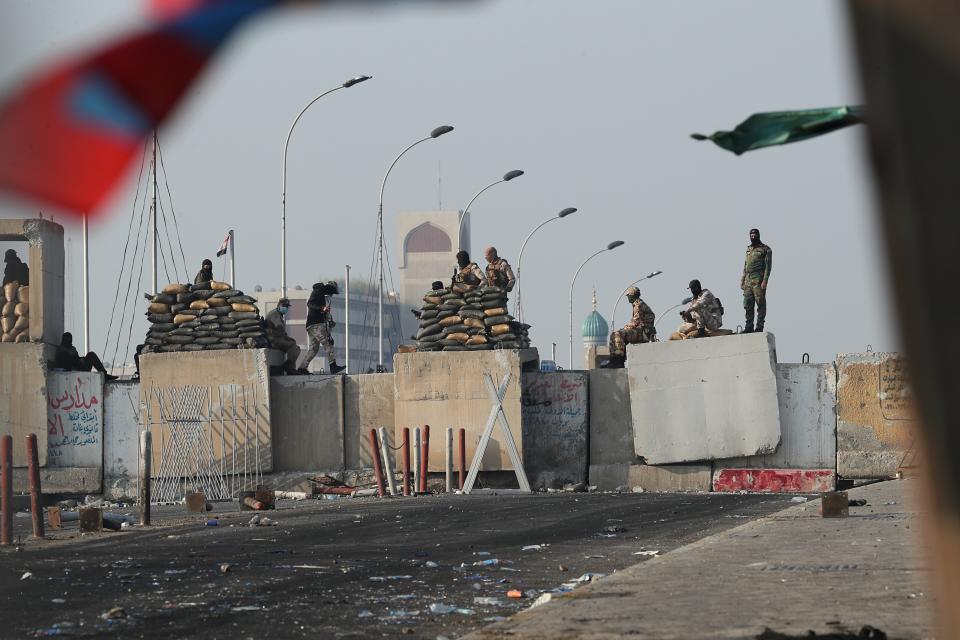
(613,245)
(613,316)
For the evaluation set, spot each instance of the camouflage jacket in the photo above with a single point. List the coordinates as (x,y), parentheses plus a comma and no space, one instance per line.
(470,274)
(500,274)
(758,263)
(706,303)
(643,315)
(275,326)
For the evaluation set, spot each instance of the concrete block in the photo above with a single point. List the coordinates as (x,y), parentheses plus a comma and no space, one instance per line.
(704,399)
(236,416)
(446,389)
(611,424)
(307,422)
(121,438)
(74,419)
(657,478)
(23,397)
(45,257)
(876,424)
(368,404)
(775,480)
(555,427)
(61,480)
(808,420)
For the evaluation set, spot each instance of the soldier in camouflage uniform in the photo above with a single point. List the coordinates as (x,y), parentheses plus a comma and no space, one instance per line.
(639,330)
(704,313)
(756,274)
(499,271)
(467,272)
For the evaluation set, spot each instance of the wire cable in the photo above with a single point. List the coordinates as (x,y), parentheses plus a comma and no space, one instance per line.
(173,212)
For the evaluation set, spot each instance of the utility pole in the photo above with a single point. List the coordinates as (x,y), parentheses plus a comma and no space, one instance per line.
(233,262)
(86,288)
(346,321)
(153,216)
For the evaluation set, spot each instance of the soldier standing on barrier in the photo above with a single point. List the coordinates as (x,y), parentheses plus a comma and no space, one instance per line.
(319,325)
(639,330)
(499,271)
(467,272)
(756,275)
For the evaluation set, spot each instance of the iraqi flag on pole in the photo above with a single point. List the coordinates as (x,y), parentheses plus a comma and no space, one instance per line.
(782,127)
(223,246)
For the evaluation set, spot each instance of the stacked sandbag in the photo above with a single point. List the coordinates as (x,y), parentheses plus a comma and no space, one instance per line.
(15,313)
(504,332)
(203,317)
(463,317)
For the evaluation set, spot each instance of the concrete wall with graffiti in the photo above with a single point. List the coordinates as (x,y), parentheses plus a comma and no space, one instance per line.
(74,419)
(555,408)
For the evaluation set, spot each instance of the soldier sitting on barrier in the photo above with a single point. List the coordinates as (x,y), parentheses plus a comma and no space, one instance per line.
(703,317)
(639,330)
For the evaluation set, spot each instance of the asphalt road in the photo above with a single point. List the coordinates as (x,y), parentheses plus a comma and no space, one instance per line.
(351,568)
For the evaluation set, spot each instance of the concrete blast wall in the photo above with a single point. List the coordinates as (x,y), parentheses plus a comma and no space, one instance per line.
(121,438)
(368,404)
(688,404)
(555,427)
(23,397)
(307,423)
(74,419)
(447,390)
(876,425)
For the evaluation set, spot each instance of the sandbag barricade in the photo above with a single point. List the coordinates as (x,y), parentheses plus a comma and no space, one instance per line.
(14,313)
(468,318)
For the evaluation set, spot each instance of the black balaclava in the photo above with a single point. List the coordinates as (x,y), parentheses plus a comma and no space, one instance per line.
(10,255)
(206,265)
(67,340)
(463,259)
(753,241)
(695,288)
(437,285)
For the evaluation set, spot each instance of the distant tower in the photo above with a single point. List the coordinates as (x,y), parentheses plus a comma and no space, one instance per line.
(595,332)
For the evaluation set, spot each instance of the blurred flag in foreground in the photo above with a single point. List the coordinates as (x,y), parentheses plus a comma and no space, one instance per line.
(68,132)
(782,127)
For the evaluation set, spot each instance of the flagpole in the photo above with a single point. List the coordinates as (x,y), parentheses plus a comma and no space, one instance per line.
(86,289)
(153,217)
(346,321)
(233,261)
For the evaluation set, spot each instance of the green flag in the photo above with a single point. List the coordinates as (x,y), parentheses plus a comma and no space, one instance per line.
(781,127)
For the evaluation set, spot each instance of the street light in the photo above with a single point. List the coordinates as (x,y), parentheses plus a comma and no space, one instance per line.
(517,307)
(283,217)
(610,247)
(436,133)
(613,316)
(507,177)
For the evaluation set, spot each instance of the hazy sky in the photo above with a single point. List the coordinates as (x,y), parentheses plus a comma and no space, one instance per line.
(594,100)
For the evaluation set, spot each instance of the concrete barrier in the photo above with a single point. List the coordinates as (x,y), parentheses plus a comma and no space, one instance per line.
(367,404)
(121,433)
(446,389)
(656,478)
(307,423)
(876,425)
(74,419)
(555,418)
(704,399)
(774,480)
(611,424)
(23,397)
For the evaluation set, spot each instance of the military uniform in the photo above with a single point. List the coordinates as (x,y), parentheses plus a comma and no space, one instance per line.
(756,271)
(278,339)
(500,274)
(471,275)
(639,330)
(704,313)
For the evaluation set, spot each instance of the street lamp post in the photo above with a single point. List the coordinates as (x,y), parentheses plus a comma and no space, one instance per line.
(507,177)
(517,307)
(436,133)
(283,217)
(610,247)
(613,316)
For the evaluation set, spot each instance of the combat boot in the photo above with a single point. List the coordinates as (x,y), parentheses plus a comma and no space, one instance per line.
(336,368)
(759,327)
(748,328)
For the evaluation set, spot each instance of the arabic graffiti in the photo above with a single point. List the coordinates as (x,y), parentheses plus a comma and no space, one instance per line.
(74,419)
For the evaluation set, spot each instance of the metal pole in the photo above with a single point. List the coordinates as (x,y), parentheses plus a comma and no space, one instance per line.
(406,461)
(425,458)
(572,282)
(153,217)
(416,460)
(233,261)
(449,459)
(467,210)
(86,288)
(462,457)
(346,321)
(387,461)
(6,489)
(146,456)
(517,305)
(33,469)
(377,467)
(553,351)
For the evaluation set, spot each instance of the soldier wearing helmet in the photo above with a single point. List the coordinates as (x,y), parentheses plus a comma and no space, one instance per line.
(639,330)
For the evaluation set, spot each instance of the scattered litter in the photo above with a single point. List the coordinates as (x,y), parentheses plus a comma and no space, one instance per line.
(249,607)
(482,553)
(421,554)
(26,576)
(291,495)
(488,602)
(798,499)
(543,599)
(441,608)
(113,614)
(384,579)
(225,567)
(22,514)
(308,566)
(509,569)
(366,613)
(614,528)
(562,568)
(650,553)
(127,525)
(262,521)
(514,593)
(533,547)
(590,577)
(890,504)
(213,522)
(174,572)
(592,557)
(857,502)
(491,562)
(402,613)
(430,564)
(58,601)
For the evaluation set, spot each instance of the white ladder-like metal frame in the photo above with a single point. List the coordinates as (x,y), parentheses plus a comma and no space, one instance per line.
(497,415)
